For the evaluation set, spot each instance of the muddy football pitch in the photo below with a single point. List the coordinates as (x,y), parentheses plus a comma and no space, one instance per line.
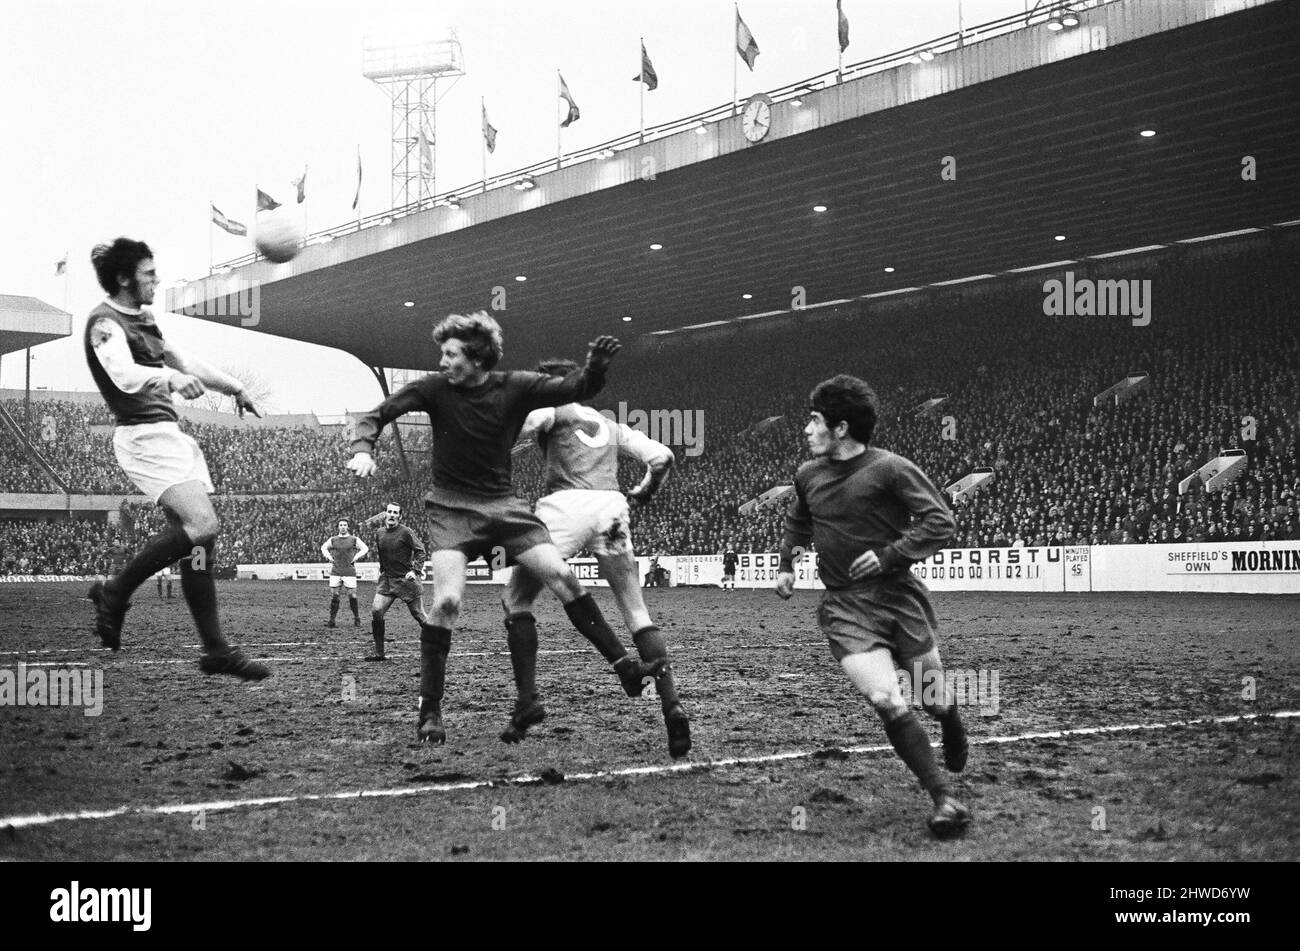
(1104,728)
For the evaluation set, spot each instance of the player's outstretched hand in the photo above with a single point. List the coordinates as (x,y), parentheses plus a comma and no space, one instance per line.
(190,387)
(602,352)
(865,566)
(785,584)
(363,464)
(244,404)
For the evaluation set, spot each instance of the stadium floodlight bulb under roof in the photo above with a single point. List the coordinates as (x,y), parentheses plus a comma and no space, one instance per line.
(1147,133)
(701,127)
(409,303)
(747,296)
(889,270)
(521,277)
(797,100)
(819,208)
(627,320)
(607,153)
(1069,18)
(1054,24)
(525,182)
(1060,237)
(386,221)
(656,247)
(926,55)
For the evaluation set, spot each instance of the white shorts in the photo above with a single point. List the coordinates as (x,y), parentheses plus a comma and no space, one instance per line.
(595,519)
(348,581)
(157,456)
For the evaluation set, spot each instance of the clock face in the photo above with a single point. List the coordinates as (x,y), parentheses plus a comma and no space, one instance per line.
(757,118)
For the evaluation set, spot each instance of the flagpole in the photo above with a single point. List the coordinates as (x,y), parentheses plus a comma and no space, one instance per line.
(482,112)
(558,127)
(735,33)
(210,252)
(642,85)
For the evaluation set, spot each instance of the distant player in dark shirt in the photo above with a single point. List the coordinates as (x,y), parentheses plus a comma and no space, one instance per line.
(858,503)
(476,414)
(729,561)
(137,372)
(343,551)
(401,568)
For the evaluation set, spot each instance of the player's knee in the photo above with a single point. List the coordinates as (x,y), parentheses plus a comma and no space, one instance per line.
(888,704)
(376,614)
(203,529)
(447,604)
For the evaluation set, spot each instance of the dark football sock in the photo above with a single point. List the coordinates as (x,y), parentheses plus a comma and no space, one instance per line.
(158,552)
(652,646)
(334,607)
(521,636)
(950,720)
(200,590)
(377,631)
(435,644)
(352,603)
(913,748)
(586,617)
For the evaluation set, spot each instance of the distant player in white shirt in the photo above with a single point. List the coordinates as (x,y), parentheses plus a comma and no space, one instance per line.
(343,551)
(585,509)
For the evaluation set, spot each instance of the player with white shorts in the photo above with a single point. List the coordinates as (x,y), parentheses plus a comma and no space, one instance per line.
(343,551)
(585,510)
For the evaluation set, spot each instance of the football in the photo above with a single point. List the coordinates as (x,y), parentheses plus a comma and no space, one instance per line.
(279,237)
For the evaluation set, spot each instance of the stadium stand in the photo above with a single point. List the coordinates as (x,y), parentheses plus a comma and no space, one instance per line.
(1222,350)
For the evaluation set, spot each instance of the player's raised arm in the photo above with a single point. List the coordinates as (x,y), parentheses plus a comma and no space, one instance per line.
(408,399)
(114,355)
(210,377)
(658,459)
(583,383)
(932,522)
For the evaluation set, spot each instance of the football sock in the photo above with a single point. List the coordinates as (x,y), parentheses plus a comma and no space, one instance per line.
(652,646)
(521,636)
(377,631)
(158,552)
(200,590)
(913,748)
(590,623)
(334,607)
(435,644)
(352,603)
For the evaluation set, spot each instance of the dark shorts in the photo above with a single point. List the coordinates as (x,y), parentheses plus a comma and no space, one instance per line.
(895,615)
(477,526)
(400,588)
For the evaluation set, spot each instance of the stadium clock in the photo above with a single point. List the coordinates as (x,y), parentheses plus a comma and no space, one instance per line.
(756,120)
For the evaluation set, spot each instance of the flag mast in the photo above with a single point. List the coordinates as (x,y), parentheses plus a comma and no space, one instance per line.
(735,35)
(642,85)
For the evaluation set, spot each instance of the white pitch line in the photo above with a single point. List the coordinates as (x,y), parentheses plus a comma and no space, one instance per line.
(40,819)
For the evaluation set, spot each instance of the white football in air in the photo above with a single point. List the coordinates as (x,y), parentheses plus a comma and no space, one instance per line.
(279,237)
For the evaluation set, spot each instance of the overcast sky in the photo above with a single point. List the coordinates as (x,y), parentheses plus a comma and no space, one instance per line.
(128,118)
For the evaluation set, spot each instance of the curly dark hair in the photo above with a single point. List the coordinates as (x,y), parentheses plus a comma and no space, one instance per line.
(846,399)
(480,334)
(119,259)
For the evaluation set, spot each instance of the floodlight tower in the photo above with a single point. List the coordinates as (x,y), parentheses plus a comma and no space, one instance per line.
(409,71)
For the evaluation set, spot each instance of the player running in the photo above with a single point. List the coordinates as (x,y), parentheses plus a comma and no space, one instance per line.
(343,551)
(857,504)
(401,570)
(585,509)
(136,372)
(475,414)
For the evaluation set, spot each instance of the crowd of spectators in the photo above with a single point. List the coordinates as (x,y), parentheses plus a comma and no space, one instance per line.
(1221,355)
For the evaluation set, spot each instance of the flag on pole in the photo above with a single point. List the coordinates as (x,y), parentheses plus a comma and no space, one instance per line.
(228,225)
(357,197)
(61,266)
(300,183)
(746,46)
(567,96)
(489,132)
(265,202)
(647,74)
(426,156)
(844,25)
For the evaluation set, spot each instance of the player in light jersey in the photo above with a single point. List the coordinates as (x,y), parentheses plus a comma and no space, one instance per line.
(343,551)
(585,509)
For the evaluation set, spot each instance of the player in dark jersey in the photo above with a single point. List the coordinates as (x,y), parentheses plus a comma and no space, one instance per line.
(858,503)
(729,561)
(343,551)
(584,509)
(401,569)
(476,413)
(136,372)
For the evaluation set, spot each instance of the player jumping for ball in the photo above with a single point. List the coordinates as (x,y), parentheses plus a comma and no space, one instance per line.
(871,515)
(585,509)
(476,414)
(343,551)
(137,372)
(401,569)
